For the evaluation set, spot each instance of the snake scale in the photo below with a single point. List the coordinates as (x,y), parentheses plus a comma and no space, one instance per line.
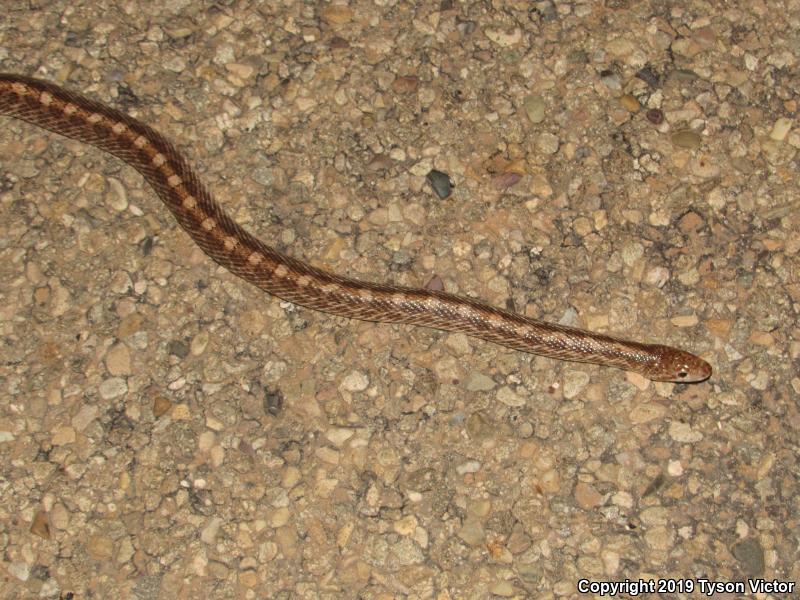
(70,114)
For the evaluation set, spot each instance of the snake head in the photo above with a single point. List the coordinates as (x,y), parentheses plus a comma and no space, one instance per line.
(678,366)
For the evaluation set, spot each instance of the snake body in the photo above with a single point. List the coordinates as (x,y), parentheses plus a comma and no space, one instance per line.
(70,114)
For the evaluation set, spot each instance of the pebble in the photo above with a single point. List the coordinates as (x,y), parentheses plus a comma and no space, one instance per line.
(19,570)
(471,466)
(472,532)
(704,167)
(113,387)
(574,383)
(587,496)
(209,533)
(41,525)
(535,108)
(477,426)
(100,547)
(504,589)
(440,183)
(686,139)
(750,555)
(781,129)
(683,432)
(406,84)
(405,526)
(630,103)
(161,406)
(84,417)
(610,80)
(509,397)
(655,116)
(646,412)
(118,360)
(478,382)
(117,196)
(503,37)
(547,143)
(338,435)
(337,14)
(355,381)
(63,435)
(682,321)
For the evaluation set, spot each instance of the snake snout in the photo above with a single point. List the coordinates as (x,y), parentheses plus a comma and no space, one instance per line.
(680,366)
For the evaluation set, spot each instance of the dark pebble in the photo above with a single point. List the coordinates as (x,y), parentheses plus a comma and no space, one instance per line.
(649,76)
(655,116)
(440,182)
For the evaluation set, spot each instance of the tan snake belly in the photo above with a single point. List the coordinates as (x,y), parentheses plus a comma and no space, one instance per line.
(72,115)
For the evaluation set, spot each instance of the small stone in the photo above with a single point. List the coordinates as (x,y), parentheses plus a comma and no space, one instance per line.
(209,533)
(762,338)
(440,182)
(199,343)
(41,525)
(504,589)
(356,381)
(750,554)
(504,38)
(478,382)
(704,167)
(248,578)
(574,383)
(338,435)
(649,76)
(337,14)
(405,526)
(85,416)
(534,107)
(509,397)
(280,517)
(472,532)
(59,517)
(117,197)
(206,441)
(160,406)
(100,547)
(477,426)
(684,321)
(686,139)
(63,435)
(405,85)
(19,570)
(655,116)
(587,496)
(470,466)
(503,181)
(240,70)
(691,222)
(112,388)
(683,432)
(610,80)
(181,412)
(674,468)
(659,538)
(781,129)
(630,103)
(547,143)
(118,360)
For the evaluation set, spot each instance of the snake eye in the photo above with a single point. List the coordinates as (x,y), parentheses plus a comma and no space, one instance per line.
(682,373)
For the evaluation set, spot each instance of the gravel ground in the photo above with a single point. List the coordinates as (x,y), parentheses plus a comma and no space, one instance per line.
(168,431)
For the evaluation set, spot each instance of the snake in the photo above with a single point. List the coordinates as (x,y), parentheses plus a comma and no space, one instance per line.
(54,108)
